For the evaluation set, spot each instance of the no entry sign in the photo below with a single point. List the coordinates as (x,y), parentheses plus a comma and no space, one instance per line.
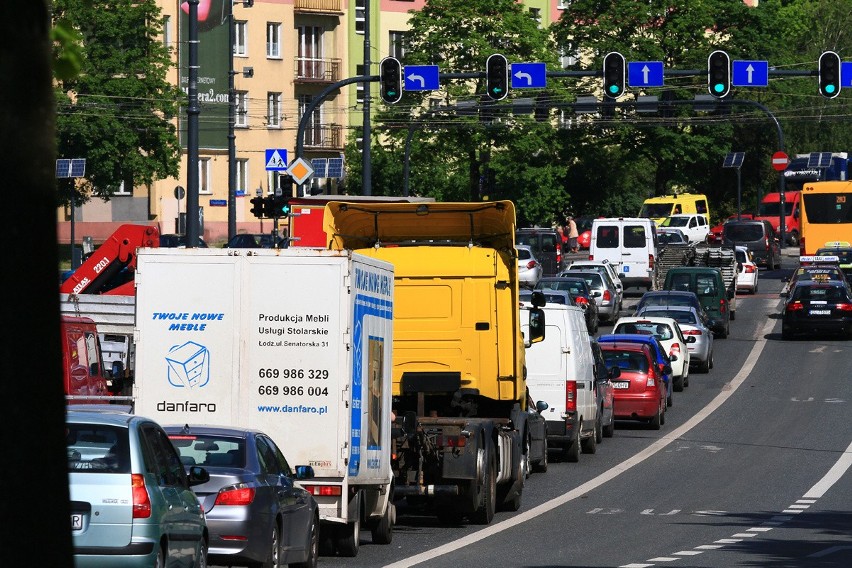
(780,161)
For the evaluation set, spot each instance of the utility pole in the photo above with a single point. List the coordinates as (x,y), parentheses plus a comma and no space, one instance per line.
(366,161)
(192,112)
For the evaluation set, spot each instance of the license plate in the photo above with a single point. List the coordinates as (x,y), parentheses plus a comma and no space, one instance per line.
(820,312)
(76,522)
(621,385)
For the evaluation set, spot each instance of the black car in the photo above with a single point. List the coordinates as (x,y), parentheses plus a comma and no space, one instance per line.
(255,240)
(581,293)
(171,240)
(758,236)
(823,306)
(546,245)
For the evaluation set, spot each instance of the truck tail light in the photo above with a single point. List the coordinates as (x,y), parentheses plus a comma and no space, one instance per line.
(141,500)
(444,441)
(236,495)
(591,256)
(651,261)
(323,490)
(570,396)
(795,306)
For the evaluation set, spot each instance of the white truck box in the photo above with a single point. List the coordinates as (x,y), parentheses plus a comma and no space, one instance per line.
(296,343)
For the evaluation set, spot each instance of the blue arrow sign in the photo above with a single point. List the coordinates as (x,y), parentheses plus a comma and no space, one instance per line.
(528,75)
(750,73)
(846,74)
(645,73)
(276,160)
(421,78)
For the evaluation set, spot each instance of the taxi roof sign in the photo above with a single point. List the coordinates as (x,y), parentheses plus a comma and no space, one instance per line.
(819,258)
(837,244)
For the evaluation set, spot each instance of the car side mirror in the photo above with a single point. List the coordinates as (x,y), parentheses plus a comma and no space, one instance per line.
(690,339)
(614,372)
(197,475)
(674,358)
(304,472)
(541,406)
(596,293)
(667,369)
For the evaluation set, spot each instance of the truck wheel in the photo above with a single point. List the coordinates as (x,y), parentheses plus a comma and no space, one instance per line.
(572,452)
(486,493)
(349,538)
(382,532)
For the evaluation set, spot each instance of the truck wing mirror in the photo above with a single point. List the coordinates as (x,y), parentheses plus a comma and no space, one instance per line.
(536,325)
(538,299)
(304,472)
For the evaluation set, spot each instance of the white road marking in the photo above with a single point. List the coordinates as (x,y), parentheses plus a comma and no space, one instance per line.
(759,529)
(663,559)
(811,501)
(745,535)
(830,478)
(708,547)
(799,506)
(796,511)
(689,553)
(728,540)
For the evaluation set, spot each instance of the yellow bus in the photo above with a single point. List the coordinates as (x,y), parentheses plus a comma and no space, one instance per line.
(826,214)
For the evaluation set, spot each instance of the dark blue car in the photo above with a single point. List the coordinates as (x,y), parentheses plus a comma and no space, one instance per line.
(657,348)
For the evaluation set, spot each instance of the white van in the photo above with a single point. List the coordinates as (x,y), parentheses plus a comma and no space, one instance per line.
(560,369)
(629,243)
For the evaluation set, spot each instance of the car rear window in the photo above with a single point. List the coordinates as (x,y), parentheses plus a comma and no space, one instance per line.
(574,287)
(745,233)
(96,448)
(659,330)
(209,450)
(827,293)
(524,254)
(677,315)
(626,360)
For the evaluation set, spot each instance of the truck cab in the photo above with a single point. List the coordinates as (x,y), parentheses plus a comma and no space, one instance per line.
(82,366)
(770,210)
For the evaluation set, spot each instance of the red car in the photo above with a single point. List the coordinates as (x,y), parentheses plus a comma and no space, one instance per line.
(714,237)
(639,392)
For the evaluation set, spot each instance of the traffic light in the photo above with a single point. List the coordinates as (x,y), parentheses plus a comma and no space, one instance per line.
(829,74)
(614,74)
(279,206)
(497,76)
(390,80)
(258,206)
(719,74)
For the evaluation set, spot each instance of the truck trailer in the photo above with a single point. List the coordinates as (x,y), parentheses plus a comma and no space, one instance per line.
(460,434)
(293,342)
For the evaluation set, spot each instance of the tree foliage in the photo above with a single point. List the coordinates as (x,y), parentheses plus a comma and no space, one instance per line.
(117,111)
(603,164)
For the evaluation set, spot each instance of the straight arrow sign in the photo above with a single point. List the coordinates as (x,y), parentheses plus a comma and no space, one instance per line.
(750,73)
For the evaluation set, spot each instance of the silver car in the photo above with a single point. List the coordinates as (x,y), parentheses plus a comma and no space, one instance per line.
(603,290)
(600,266)
(131,499)
(256,514)
(530,270)
(692,324)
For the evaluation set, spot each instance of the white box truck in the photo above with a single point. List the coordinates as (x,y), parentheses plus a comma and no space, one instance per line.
(296,343)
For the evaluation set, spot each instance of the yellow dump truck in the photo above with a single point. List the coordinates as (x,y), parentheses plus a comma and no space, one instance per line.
(459,394)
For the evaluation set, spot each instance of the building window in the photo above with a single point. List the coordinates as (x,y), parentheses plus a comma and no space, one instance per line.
(311,52)
(359,87)
(273,110)
(563,4)
(396,43)
(360,13)
(205,178)
(242,175)
(313,132)
(273,40)
(121,190)
(167,31)
(241,118)
(535,14)
(240,38)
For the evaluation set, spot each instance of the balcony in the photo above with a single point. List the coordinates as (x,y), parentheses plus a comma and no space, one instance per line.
(319,6)
(324,137)
(312,70)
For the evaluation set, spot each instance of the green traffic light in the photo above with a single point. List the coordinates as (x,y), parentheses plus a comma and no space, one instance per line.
(829,88)
(719,87)
(613,89)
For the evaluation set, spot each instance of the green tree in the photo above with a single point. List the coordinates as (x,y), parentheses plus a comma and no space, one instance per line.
(458,156)
(117,113)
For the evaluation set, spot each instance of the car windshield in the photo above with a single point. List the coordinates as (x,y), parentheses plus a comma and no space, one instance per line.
(96,448)
(773,209)
(656,210)
(669,238)
(209,450)
(746,233)
(675,222)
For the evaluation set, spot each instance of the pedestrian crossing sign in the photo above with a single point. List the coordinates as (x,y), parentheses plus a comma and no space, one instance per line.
(276,160)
